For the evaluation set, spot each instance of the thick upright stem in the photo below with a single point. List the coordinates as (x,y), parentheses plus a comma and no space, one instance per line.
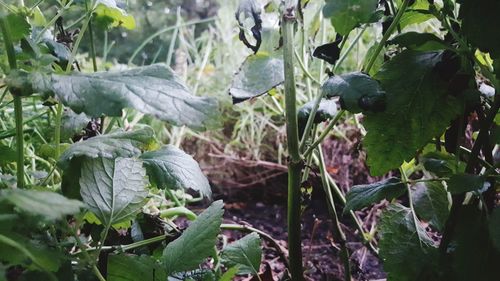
(18,104)
(295,161)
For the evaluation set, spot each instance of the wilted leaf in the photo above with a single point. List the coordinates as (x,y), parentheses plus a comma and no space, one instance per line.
(431,203)
(329,52)
(357,91)
(245,253)
(361,196)
(172,168)
(407,251)
(108,13)
(250,9)
(153,89)
(196,243)
(460,183)
(114,190)
(258,74)
(117,144)
(133,268)
(348,14)
(49,205)
(418,109)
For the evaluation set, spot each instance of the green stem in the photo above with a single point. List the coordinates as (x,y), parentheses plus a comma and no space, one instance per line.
(387,34)
(295,161)
(18,103)
(325,133)
(349,49)
(89,259)
(404,177)
(57,130)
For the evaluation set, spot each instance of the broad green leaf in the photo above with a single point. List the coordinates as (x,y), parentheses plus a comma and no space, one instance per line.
(460,183)
(258,74)
(172,168)
(357,91)
(8,155)
(49,205)
(480,22)
(72,124)
(245,253)
(196,243)
(108,13)
(153,89)
(407,251)
(113,189)
(348,14)
(117,144)
(431,203)
(419,41)
(418,109)
(494,227)
(414,16)
(18,26)
(327,109)
(125,267)
(442,164)
(361,196)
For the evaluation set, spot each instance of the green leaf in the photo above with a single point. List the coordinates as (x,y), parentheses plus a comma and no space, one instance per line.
(245,253)
(258,74)
(431,203)
(8,155)
(18,26)
(49,205)
(114,190)
(494,227)
(125,267)
(327,109)
(172,168)
(418,109)
(109,14)
(357,91)
(407,251)
(460,183)
(153,89)
(480,22)
(348,14)
(72,124)
(196,243)
(361,196)
(229,274)
(414,16)
(419,41)
(117,144)
(442,164)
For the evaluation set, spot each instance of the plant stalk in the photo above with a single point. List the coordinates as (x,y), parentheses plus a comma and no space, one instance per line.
(18,104)
(295,161)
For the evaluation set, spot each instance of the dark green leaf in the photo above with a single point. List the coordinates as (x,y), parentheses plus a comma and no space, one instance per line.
(8,155)
(125,267)
(172,168)
(431,203)
(419,41)
(357,91)
(361,196)
(117,144)
(460,183)
(329,52)
(494,226)
(196,243)
(245,253)
(348,14)
(442,164)
(327,109)
(72,124)
(114,190)
(480,22)
(418,109)
(18,26)
(153,89)
(406,249)
(108,12)
(258,74)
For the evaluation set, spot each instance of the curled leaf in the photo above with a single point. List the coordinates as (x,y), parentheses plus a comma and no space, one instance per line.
(249,9)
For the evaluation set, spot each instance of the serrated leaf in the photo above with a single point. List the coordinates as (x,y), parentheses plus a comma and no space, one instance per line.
(327,109)
(258,74)
(407,251)
(348,14)
(172,168)
(460,183)
(196,243)
(125,267)
(357,91)
(49,205)
(361,196)
(114,190)
(480,23)
(245,253)
(494,227)
(431,203)
(418,109)
(153,89)
(419,41)
(108,13)
(117,144)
